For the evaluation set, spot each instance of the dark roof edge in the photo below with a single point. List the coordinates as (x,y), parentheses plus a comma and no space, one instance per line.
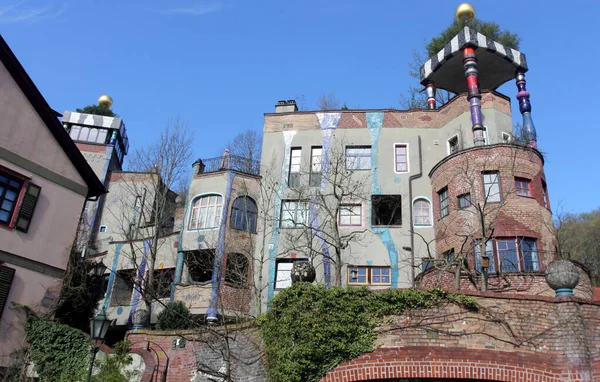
(49,116)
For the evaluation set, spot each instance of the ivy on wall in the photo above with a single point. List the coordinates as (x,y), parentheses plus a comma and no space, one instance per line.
(310,329)
(59,352)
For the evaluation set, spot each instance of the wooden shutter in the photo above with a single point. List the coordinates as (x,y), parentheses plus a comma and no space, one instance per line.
(28,207)
(6,278)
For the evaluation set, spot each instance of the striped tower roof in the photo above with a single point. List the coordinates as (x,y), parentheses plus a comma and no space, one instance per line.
(497,64)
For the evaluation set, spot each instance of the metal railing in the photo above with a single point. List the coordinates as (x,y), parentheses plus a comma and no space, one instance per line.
(229,163)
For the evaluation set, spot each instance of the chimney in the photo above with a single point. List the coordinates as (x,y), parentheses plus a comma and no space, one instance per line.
(288,106)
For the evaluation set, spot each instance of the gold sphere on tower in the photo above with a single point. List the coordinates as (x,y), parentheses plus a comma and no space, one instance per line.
(105,100)
(465,11)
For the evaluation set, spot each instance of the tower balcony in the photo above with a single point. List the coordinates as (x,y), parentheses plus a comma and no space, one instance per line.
(223,163)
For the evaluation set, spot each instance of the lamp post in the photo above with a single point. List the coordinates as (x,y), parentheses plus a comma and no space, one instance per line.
(98,269)
(98,328)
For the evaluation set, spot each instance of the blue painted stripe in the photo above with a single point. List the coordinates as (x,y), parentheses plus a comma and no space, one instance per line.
(113,273)
(213,304)
(274,242)
(140,277)
(374,123)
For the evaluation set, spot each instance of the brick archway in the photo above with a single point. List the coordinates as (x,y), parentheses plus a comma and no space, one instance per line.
(455,363)
(155,359)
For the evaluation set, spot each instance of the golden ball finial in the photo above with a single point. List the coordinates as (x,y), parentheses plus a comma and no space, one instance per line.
(465,11)
(105,100)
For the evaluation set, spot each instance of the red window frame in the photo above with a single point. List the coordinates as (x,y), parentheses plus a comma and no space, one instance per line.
(523,187)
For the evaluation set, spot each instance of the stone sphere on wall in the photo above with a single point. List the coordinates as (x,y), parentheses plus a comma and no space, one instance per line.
(562,275)
(303,272)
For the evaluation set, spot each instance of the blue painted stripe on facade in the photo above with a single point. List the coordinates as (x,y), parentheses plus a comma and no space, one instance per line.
(374,123)
(274,242)
(113,273)
(180,254)
(328,123)
(213,304)
(140,277)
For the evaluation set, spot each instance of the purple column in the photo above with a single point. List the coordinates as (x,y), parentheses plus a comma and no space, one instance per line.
(470,65)
(528,131)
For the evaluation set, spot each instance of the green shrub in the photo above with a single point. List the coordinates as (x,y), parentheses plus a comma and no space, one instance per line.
(175,315)
(110,369)
(310,329)
(59,352)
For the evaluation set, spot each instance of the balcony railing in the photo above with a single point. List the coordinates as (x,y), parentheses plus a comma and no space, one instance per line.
(229,163)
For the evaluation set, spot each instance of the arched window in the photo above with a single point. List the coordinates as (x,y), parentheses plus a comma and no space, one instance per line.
(206,212)
(243,214)
(421,212)
(236,270)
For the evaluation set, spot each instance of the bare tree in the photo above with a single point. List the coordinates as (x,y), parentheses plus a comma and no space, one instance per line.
(335,191)
(487,191)
(145,205)
(328,102)
(247,144)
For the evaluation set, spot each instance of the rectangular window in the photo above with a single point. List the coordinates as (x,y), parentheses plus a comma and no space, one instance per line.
(295,161)
(489,252)
(315,166)
(523,186)
(529,253)
(358,157)
(444,203)
(350,215)
(363,275)
(449,256)
(453,146)
(507,254)
(10,188)
(464,201)
(491,187)
(380,276)
(294,213)
(123,287)
(200,265)
(545,195)
(102,228)
(386,210)
(162,281)
(401,152)
(283,275)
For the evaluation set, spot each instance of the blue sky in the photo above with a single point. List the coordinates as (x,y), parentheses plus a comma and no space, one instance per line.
(221,64)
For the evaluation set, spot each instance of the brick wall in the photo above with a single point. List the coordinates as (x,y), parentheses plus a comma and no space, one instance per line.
(510,338)
(514,216)
(520,283)
(200,356)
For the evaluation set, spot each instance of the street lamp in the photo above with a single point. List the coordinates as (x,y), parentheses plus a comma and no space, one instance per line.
(98,328)
(99,269)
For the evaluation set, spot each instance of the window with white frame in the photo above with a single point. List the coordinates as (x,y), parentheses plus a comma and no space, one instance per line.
(401,157)
(206,212)
(315,166)
(350,215)
(295,162)
(421,212)
(489,252)
(486,135)
(283,273)
(102,228)
(506,137)
(453,145)
(294,213)
(358,157)
(491,187)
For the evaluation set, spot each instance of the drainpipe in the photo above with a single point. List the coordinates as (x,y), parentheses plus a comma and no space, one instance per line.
(410,198)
